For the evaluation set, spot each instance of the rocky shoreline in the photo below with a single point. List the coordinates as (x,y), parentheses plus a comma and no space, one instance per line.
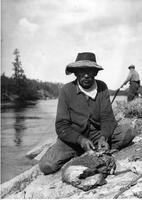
(32,184)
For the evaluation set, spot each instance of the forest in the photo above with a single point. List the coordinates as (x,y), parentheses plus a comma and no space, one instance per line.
(19,87)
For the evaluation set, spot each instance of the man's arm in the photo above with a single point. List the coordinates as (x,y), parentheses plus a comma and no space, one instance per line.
(127,80)
(63,122)
(108,122)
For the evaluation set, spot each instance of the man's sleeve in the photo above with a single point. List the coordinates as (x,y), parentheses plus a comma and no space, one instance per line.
(63,123)
(108,122)
(128,78)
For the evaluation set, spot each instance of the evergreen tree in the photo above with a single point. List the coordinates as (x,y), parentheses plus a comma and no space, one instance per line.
(19,76)
(18,70)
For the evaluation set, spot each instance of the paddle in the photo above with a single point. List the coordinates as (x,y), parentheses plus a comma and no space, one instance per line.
(115,94)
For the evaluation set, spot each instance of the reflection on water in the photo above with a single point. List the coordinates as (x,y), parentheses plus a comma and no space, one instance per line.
(19,126)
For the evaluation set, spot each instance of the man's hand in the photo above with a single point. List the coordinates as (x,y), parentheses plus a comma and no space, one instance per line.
(102,144)
(86,144)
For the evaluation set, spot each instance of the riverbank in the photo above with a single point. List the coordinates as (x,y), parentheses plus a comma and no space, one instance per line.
(52,187)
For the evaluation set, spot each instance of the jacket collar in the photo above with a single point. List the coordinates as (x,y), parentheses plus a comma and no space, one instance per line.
(78,91)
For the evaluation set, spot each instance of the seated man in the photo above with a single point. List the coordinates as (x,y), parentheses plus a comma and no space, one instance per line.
(85,119)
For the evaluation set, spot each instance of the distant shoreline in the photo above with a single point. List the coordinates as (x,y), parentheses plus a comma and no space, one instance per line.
(13,104)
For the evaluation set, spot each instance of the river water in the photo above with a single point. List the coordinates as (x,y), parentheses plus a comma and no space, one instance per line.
(22,128)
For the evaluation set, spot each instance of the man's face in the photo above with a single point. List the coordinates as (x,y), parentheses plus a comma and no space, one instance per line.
(86,77)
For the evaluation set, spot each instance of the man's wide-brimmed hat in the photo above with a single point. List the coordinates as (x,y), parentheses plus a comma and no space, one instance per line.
(83,60)
(131,67)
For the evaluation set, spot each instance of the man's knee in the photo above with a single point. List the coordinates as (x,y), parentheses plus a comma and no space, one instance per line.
(123,136)
(129,135)
(48,168)
(55,157)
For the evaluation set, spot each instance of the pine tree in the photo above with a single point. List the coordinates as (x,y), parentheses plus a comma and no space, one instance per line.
(18,70)
(19,76)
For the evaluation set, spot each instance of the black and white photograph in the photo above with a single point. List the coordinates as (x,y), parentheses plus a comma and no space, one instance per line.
(71,99)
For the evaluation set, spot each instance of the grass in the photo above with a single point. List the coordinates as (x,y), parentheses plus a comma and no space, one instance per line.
(130,111)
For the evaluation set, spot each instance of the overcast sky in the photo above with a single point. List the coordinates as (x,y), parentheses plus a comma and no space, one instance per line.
(50,33)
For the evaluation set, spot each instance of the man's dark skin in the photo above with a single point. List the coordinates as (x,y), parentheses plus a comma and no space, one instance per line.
(86,78)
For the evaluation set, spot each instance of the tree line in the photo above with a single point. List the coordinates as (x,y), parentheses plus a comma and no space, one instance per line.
(19,87)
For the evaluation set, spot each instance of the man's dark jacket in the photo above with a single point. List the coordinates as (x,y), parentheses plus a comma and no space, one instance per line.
(76,111)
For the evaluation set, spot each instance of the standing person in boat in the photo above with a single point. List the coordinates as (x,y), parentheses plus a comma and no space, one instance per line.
(134,81)
(84,119)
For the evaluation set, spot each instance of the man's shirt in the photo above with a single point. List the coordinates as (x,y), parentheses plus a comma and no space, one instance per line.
(91,92)
(132,76)
(75,111)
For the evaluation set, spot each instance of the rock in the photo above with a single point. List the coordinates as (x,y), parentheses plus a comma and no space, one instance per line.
(88,171)
(39,149)
(130,165)
(52,187)
(19,182)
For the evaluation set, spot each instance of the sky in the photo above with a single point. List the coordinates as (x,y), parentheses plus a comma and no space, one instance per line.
(50,33)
